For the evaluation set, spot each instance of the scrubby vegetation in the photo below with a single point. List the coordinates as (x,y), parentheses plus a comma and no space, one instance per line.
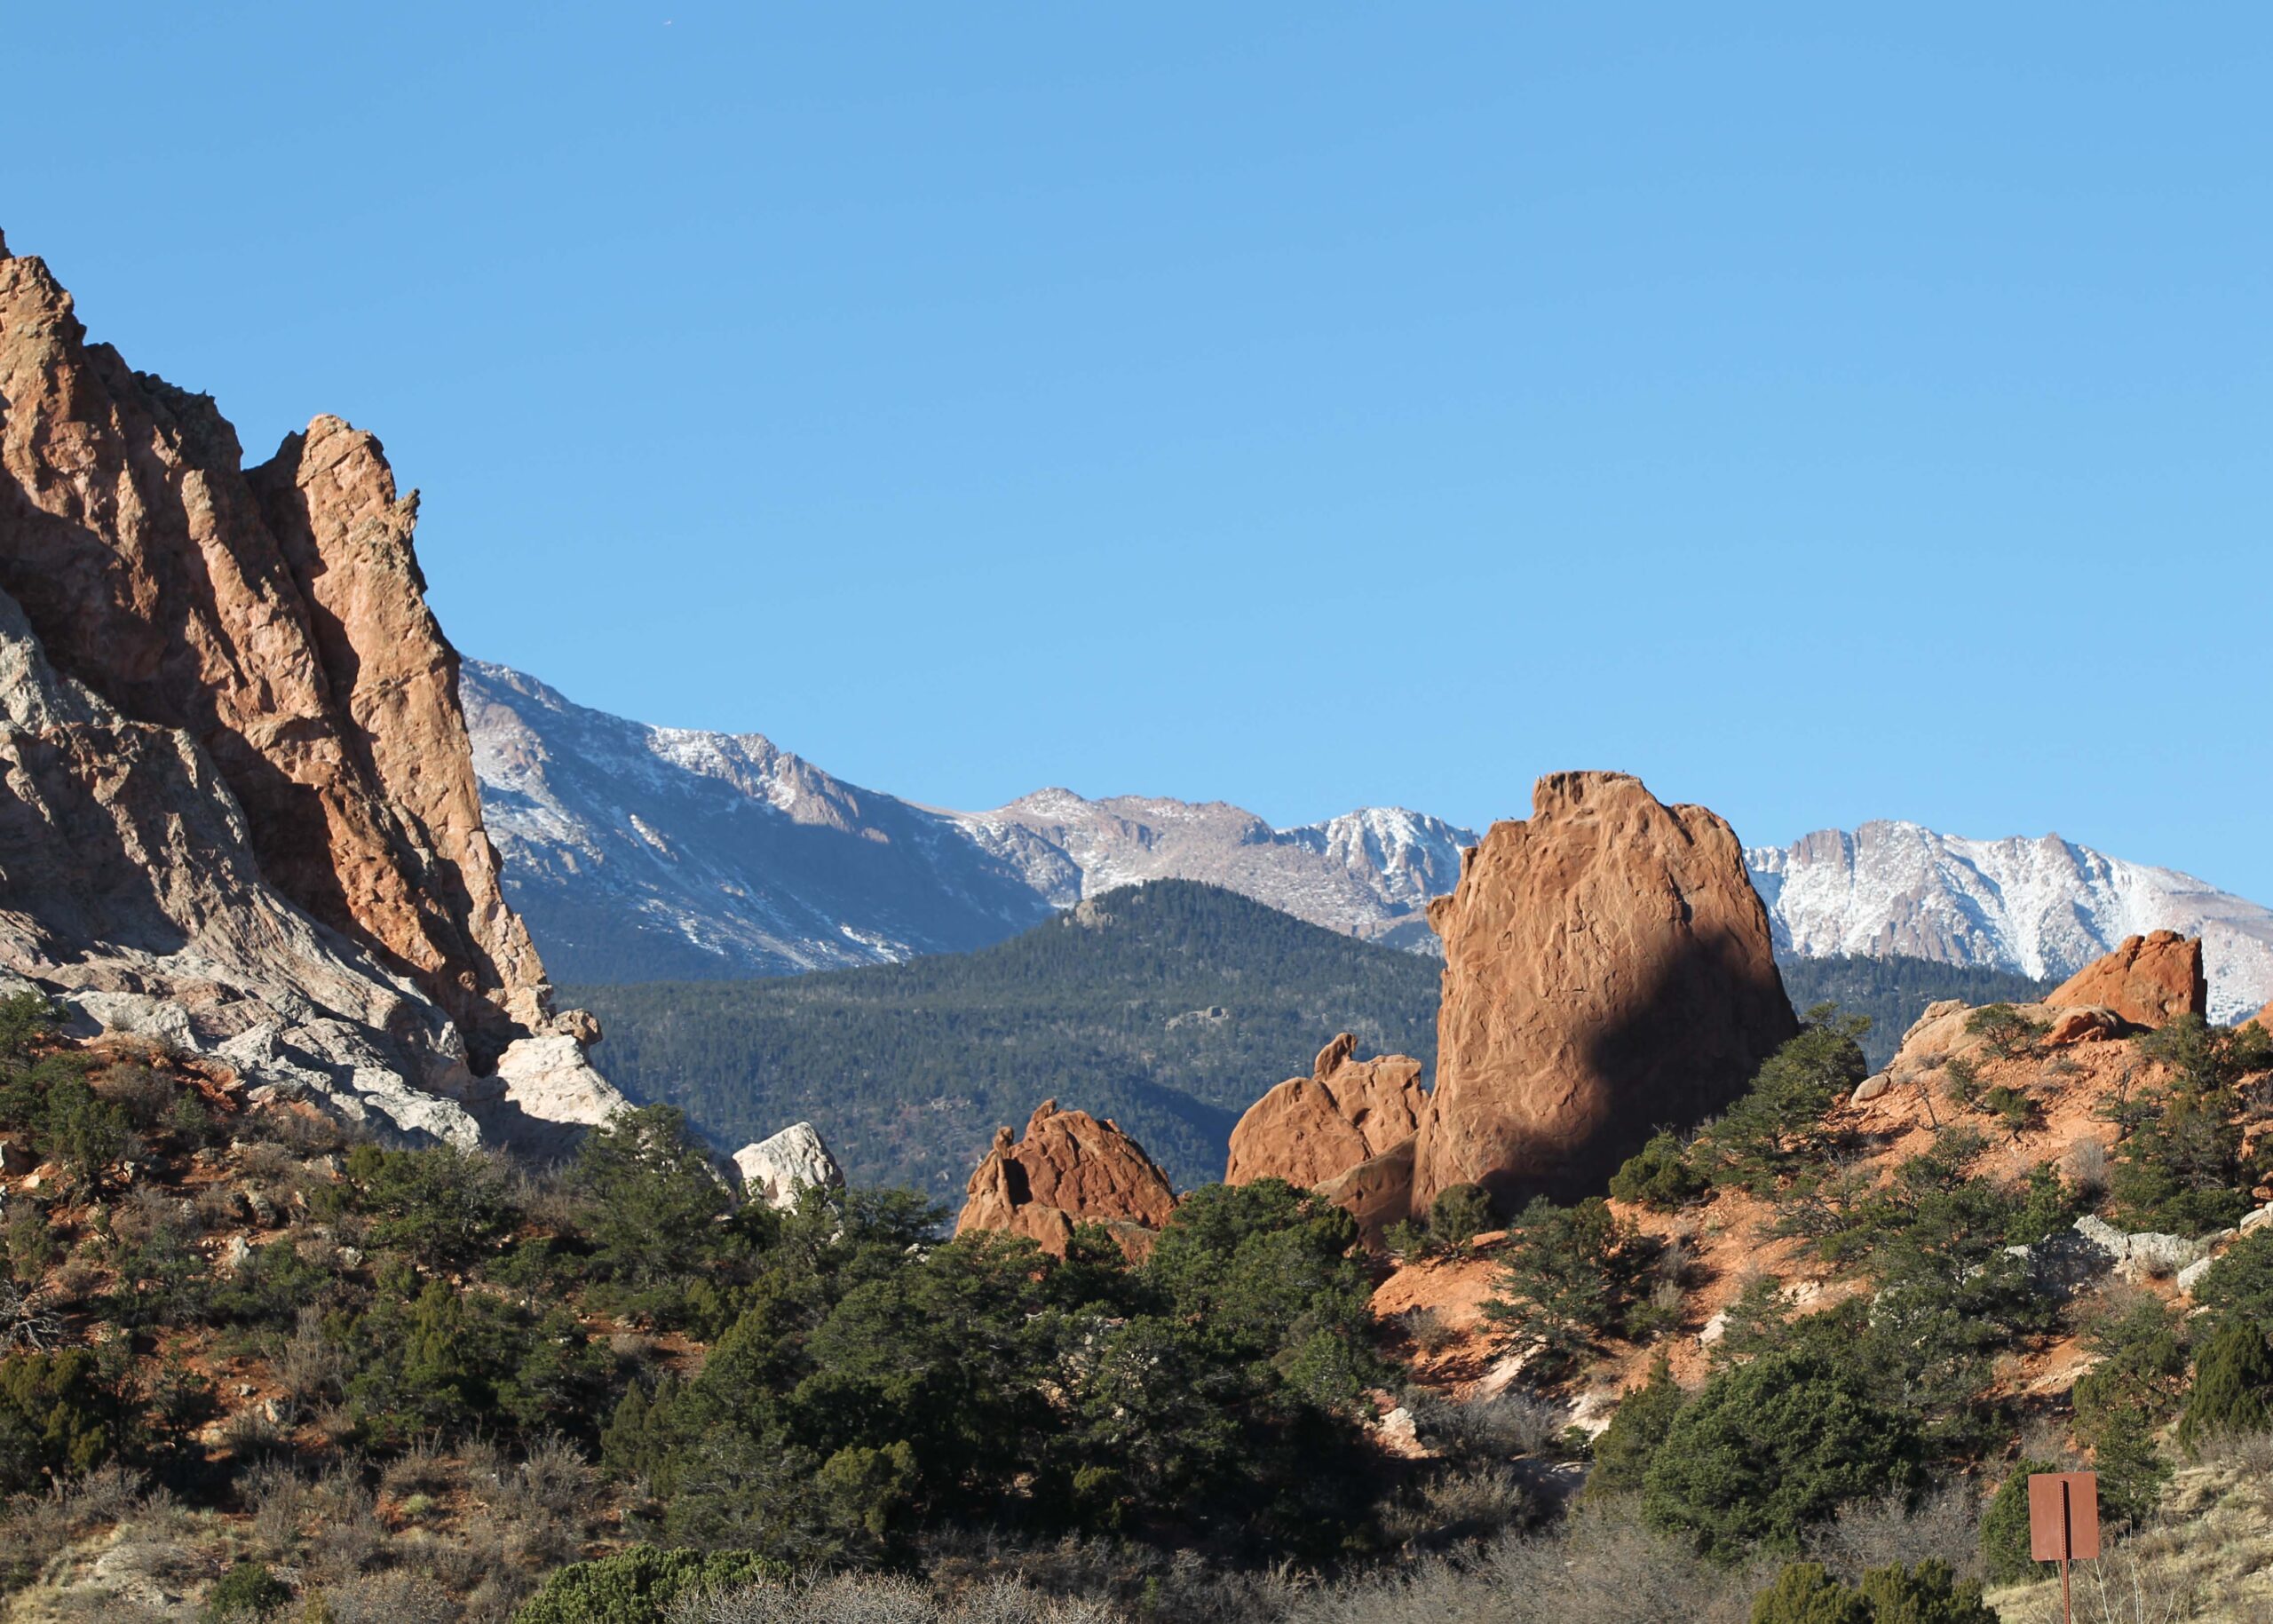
(1894,991)
(280,1372)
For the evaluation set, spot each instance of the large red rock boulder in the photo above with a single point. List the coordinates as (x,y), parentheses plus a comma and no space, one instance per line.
(1310,1129)
(2150,980)
(1608,970)
(2265,1018)
(1069,1168)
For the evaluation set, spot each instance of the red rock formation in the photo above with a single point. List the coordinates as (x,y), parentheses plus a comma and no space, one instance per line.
(1069,1168)
(277,615)
(2150,980)
(1607,970)
(2265,1018)
(1310,1129)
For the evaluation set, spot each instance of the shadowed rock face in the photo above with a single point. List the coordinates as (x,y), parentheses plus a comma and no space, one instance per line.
(1069,1168)
(2150,980)
(239,805)
(1608,969)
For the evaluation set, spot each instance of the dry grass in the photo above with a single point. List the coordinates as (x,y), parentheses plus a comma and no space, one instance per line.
(2207,1559)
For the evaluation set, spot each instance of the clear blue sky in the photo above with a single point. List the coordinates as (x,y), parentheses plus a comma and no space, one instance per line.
(1304,405)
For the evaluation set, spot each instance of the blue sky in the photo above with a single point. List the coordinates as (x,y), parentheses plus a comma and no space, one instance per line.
(1306,405)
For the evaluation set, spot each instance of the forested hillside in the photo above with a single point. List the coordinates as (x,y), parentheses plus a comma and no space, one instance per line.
(1170,1007)
(1895,991)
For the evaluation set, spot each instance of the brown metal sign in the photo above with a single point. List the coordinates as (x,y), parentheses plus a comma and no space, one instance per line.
(2064,1516)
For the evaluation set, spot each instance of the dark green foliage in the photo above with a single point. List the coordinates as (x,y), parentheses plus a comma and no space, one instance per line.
(639,1585)
(2179,1165)
(2047,1206)
(1926,1594)
(1804,1594)
(443,1207)
(57,1417)
(907,1069)
(2123,1400)
(2004,1525)
(2239,1285)
(1459,1213)
(248,1590)
(1777,1126)
(81,1129)
(652,1211)
(869,1390)
(2005,1032)
(270,1288)
(1565,1285)
(442,1361)
(2233,1382)
(1659,1175)
(1771,1448)
(1894,992)
(1623,1452)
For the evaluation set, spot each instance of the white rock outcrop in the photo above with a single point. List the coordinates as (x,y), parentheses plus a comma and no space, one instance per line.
(775,1170)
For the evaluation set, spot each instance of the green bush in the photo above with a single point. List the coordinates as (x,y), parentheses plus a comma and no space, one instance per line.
(1459,1213)
(2004,1525)
(1804,1594)
(58,1417)
(1768,1449)
(1636,1431)
(444,1207)
(1778,1124)
(2005,1032)
(2233,1381)
(639,1585)
(1658,1176)
(248,1590)
(2239,1285)
(1561,1291)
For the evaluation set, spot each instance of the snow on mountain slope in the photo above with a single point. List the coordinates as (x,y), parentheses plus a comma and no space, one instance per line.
(2042,907)
(642,852)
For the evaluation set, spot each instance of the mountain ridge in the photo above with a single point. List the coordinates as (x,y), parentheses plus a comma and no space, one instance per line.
(640,853)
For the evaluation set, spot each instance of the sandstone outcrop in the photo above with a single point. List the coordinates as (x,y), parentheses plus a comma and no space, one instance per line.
(1308,1130)
(2149,981)
(2265,1018)
(1608,969)
(1068,1168)
(774,1170)
(237,802)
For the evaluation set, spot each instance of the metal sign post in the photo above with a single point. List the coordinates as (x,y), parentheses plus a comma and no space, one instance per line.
(2064,1524)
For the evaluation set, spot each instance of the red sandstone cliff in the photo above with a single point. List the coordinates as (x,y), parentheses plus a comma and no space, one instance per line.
(1608,969)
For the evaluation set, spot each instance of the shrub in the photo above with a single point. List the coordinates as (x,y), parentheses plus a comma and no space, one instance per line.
(1780,1120)
(1636,1431)
(1658,1176)
(248,1590)
(2233,1380)
(2239,1285)
(443,1206)
(57,1417)
(1804,1594)
(1559,1293)
(1459,1213)
(2005,1032)
(1769,1448)
(636,1586)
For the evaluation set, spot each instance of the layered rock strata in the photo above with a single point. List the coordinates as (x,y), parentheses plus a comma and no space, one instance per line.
(1608,969)
(1068,1167)
(239,808)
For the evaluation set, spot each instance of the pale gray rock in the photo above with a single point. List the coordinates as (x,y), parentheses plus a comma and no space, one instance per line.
(774,1170)
(2147,1254)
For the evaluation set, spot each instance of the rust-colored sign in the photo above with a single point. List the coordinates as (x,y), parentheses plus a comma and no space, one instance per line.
(2064,1516)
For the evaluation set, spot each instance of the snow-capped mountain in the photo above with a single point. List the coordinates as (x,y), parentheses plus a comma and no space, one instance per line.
(639,852)
(2042,907)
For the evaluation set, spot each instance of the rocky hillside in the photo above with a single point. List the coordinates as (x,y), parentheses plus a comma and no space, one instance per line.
(239,808)
(642,853)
